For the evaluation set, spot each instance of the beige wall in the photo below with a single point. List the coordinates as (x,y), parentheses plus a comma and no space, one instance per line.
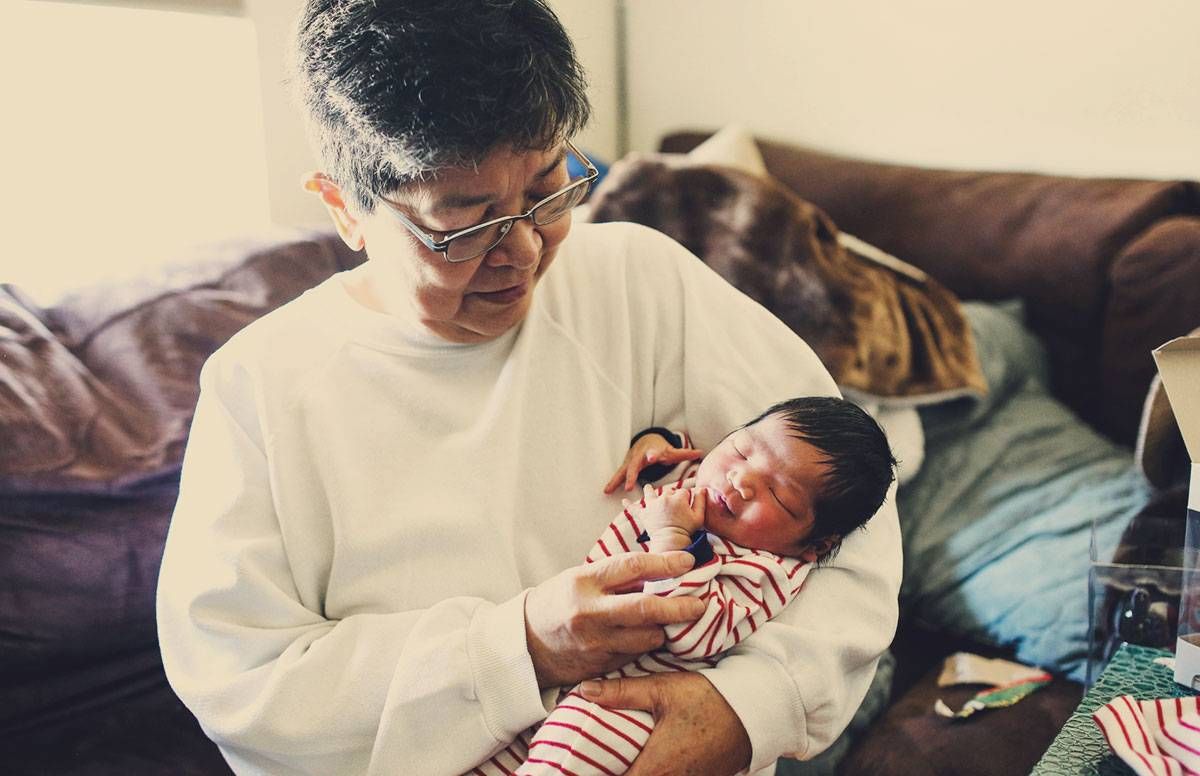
(590,22)
(1072,86)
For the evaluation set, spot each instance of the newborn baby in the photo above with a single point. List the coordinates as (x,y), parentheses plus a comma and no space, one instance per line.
(758,512)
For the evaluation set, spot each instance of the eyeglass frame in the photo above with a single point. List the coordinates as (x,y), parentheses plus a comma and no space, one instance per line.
(443,246)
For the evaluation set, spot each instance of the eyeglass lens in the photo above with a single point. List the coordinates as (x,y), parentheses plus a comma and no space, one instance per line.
(470,246)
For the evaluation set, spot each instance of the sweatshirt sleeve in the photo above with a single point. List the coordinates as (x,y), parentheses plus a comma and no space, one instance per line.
(720,361)
(283,689)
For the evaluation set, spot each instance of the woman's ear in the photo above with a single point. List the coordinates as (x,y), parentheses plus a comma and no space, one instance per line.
(331,196)
(817,549)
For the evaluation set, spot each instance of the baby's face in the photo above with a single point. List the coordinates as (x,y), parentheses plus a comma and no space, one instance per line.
(760,484)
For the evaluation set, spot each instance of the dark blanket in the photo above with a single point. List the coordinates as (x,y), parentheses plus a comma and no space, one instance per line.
(878,331)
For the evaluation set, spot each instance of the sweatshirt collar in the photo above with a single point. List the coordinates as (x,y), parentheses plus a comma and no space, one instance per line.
(397,332)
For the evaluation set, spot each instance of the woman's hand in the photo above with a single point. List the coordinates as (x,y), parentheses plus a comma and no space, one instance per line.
(695,729)
(647,451)
(593,618)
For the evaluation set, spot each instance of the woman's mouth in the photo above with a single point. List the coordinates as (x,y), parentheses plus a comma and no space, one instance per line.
(505,295)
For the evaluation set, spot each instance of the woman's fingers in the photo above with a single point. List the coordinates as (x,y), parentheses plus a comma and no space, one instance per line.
(641,610)
(638,640)
(619,571)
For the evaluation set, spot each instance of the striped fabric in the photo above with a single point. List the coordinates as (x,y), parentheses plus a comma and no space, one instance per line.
(1154,738)
(743,588)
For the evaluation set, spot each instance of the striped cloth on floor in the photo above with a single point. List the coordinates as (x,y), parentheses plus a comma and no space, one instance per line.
(1154,738)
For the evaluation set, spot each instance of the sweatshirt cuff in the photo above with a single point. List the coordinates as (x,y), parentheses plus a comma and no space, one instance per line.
(768,703)
(502,671)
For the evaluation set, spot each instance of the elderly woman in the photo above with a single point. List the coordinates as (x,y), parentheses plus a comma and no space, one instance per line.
(390,482)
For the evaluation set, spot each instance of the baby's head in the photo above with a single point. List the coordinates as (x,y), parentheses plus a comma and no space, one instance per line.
(797,478)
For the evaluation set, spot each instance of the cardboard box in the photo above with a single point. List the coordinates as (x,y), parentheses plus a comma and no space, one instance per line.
(1179,365)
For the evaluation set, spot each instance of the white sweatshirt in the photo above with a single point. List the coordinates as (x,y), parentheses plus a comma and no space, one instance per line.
(363,507)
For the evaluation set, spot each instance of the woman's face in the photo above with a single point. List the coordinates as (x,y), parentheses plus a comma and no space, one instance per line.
(480,299)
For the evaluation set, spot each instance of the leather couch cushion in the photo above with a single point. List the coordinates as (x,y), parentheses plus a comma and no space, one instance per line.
(1155,297)
(910,739)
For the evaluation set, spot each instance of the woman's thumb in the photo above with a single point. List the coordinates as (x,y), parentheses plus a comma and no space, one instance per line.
(620,693)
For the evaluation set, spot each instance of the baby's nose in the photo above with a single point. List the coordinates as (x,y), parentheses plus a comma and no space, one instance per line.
(740,483)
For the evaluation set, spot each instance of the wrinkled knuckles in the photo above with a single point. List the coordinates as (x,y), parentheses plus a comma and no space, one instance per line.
(636,565)
(647,608)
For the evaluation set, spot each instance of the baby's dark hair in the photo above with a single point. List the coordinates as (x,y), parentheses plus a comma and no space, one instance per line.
(861,464)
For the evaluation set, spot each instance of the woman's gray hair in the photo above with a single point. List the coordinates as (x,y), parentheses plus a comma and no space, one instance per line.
(394,90)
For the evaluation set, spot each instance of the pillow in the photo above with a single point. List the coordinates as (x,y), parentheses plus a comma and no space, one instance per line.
(55,415)
(96,397)
(880,333)
(732,147)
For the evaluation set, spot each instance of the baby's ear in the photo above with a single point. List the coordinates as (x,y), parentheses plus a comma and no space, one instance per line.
(817,549)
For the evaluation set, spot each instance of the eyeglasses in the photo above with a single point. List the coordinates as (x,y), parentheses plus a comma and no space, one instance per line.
(474,241)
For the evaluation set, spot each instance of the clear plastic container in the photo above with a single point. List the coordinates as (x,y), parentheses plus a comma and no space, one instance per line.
(1134,596)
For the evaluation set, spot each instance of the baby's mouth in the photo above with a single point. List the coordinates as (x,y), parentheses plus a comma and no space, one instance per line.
(719,497)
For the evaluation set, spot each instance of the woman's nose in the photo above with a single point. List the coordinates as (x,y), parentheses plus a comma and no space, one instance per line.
(519,249)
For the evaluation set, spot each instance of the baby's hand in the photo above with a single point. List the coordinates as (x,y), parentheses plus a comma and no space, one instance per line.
(648,450)
(680,510)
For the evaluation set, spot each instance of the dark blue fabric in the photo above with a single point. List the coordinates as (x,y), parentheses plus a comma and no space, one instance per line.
(656,472)
(700,549)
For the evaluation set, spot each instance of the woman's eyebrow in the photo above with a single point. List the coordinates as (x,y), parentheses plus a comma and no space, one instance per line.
(562,154)
(462,201)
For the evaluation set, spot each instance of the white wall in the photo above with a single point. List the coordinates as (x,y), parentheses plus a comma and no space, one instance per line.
(1071,86)
(146,126)
(126,140)
(592,26)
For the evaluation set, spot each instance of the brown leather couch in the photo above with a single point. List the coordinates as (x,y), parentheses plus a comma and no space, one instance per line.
(96,395)
(1107,270)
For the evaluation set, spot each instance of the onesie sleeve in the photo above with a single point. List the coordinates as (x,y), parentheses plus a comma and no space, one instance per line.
(741,589)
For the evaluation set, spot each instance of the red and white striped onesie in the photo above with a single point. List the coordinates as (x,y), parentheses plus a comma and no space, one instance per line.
(743,589)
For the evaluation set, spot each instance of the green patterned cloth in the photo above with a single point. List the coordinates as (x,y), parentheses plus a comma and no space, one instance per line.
(1080,749)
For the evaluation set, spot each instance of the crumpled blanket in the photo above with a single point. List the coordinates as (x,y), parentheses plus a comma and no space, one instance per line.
(882,330)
